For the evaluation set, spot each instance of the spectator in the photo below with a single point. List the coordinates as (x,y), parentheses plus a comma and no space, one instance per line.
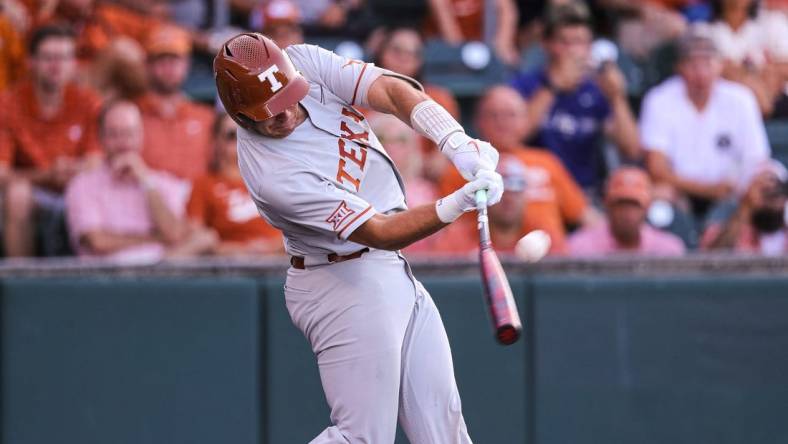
(758,223)
(646,25)
(553,199)
(12,53)
(124,210)
(329,15)
(118,72)
(47,134)
(220,202)
(97,24)
(402,145)
(457,21)
(401,49)
(702,133)
(177,130)
(569,110)
(754,46)
(281,21)
(627,199)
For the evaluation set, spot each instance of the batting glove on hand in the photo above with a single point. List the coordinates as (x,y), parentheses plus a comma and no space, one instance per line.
(469,155)
(463,200)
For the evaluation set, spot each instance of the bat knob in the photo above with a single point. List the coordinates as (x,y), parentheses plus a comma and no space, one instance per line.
(507,334)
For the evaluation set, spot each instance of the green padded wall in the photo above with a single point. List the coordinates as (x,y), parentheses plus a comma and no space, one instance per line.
(129,362)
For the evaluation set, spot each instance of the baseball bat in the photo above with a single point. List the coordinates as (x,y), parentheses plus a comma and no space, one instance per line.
(497,292)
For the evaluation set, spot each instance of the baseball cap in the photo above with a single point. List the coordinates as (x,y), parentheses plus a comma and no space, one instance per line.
(512,170)
(168,39)
(631,184)
(696,43)
(280,12)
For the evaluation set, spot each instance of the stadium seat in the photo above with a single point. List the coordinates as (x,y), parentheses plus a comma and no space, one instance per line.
(443,65)
(777,131)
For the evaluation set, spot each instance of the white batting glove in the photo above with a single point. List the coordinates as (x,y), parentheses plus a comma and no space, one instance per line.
(468,155)
(463,200)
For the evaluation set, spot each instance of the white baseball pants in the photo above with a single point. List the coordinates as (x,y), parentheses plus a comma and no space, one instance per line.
(381,349)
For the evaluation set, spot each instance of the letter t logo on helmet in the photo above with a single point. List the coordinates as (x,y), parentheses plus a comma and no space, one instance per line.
(268,74)
(242,64)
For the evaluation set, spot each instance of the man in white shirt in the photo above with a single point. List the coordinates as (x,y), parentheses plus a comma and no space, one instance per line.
(704,135)
(317,172)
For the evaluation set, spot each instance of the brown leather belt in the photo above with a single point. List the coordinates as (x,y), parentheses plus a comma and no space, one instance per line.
(298,262)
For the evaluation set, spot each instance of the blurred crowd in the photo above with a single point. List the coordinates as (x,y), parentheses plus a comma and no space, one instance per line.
(624,126)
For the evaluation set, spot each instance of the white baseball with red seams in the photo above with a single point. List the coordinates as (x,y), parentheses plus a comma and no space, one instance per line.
(380,344)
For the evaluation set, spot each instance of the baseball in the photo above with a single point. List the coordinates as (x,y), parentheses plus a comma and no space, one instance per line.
(533,246)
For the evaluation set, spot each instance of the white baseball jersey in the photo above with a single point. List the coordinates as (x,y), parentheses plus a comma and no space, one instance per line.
(331,174)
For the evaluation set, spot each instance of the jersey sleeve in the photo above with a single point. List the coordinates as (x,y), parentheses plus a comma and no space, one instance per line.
(307,200)
(348,79)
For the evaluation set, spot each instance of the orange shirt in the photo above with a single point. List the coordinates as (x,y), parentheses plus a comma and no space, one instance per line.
(12,54)
(107,22)
(225,205)
(469,15)
(28,140)
(553,199)
(178,141)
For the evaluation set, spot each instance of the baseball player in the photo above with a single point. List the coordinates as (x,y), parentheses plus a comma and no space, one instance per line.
(317,172)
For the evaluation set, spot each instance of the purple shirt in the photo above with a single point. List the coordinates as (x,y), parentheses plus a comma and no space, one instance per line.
(97,201)
(598,241)
(573,130)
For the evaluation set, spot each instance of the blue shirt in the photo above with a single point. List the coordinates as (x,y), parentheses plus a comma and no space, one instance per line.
(574,127)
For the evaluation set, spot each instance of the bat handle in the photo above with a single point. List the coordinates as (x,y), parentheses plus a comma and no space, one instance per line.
(483,223)
(481,199)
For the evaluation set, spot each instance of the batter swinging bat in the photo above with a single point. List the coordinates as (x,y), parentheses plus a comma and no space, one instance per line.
(497,292)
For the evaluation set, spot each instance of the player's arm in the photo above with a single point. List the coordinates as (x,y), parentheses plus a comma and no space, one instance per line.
(398,230)
(394,95)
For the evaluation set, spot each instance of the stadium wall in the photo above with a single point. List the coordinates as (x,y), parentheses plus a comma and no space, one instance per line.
(196,355)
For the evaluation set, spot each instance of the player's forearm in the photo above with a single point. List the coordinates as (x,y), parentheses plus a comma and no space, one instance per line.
(397,231)
(392,95)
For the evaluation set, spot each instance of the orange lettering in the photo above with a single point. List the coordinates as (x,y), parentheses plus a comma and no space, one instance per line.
(348,134)
(358,154)
(342,174)
(352,114)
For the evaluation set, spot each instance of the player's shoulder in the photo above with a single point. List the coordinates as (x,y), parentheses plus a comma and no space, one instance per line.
(305,53)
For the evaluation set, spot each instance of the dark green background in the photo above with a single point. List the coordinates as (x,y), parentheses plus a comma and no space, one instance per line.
(196,360)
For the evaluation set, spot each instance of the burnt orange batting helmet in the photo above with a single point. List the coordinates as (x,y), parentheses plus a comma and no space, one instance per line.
(256,79)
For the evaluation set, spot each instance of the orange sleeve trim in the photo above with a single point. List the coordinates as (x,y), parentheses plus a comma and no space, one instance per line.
(352,221)
(358,82)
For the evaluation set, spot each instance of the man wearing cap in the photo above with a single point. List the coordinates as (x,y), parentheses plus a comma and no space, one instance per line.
(627,199)
(758,223)
(177,130)
(703,133)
